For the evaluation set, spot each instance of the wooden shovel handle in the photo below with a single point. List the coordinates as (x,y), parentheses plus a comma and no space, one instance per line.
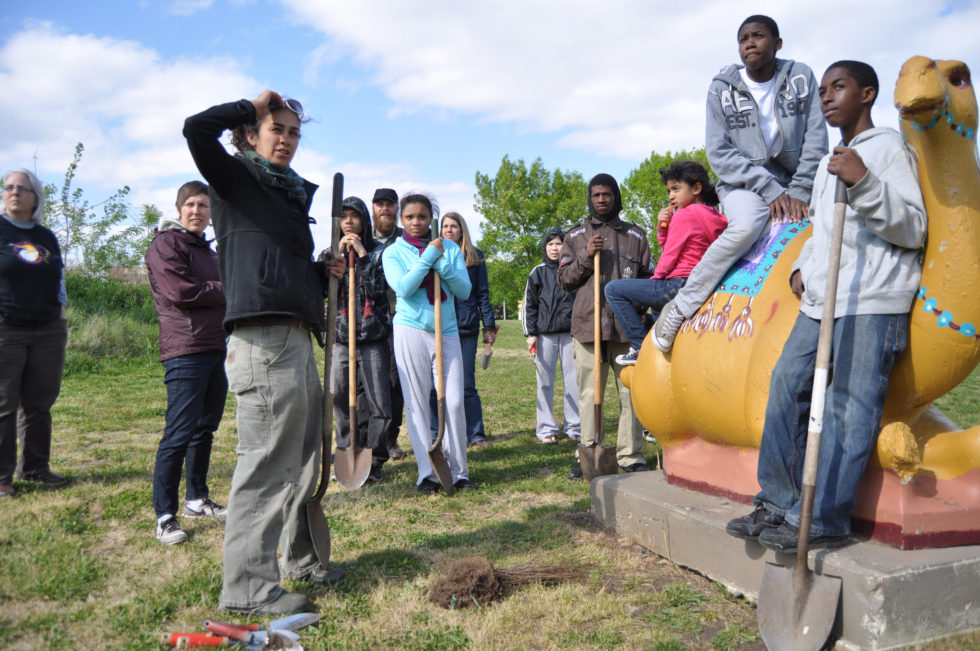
(824,345)
(597,350)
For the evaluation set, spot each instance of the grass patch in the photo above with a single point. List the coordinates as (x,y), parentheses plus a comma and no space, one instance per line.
(80,566)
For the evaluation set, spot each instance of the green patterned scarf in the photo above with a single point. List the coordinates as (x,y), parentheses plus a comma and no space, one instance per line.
(289,181)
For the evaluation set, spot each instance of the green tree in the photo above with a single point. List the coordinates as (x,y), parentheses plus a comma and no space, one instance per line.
(644,194)
(91,241)
(519,204)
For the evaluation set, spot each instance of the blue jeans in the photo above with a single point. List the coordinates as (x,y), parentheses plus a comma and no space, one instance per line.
(648,292)
(471,398)
(196,391)
(865,349)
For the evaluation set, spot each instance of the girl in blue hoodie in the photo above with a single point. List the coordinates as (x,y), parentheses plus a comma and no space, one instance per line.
(408,264)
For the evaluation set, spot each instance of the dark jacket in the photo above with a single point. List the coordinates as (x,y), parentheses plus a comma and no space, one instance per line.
(373,320)
(626,254)
(187,292)
(477,304)
(265,247)
(30,275)
(547,307)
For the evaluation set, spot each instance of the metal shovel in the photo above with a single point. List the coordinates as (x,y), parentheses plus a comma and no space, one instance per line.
(797,608)
(319,529)
(597,459)
(436,457)
(352,464)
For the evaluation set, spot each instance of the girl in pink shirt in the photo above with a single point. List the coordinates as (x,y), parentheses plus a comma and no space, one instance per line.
(686,228)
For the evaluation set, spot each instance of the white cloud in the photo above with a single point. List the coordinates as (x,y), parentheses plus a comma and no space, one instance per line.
(620,79)
(119,98)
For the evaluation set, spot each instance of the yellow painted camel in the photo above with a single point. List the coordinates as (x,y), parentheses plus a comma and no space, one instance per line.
(705,401)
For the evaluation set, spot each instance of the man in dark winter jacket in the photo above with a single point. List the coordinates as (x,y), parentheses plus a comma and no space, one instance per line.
(547,323)
(373,328)
(623,253)
(384,208)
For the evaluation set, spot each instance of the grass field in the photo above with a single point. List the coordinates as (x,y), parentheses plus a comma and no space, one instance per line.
(80,567)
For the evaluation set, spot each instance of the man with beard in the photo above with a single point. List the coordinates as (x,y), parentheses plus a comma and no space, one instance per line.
(384,212)
(623,253)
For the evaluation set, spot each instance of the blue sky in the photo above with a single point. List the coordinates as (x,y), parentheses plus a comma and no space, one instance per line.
(410,94)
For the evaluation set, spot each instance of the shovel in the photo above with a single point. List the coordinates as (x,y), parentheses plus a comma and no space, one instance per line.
(319,529)
(597,459)
(797,608)
(353,463)
(436,457)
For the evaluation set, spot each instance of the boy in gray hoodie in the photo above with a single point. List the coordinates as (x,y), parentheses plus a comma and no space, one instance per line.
(884,230)
(764,137)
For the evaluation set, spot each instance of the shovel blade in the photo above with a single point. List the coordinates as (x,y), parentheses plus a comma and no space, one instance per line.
(319,531)
(438,460)
(441,468)
(352,465)
(597,460)
(797,615)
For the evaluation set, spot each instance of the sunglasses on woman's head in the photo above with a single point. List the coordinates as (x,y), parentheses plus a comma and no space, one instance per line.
(293,105)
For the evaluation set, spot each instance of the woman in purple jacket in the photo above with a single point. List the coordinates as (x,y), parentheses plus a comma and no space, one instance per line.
(186,288)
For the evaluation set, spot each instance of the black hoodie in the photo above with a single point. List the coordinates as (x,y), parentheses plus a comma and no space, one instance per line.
(371,290)
(547,307)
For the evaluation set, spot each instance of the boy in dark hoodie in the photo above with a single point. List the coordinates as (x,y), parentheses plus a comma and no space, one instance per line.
(764,137)
(373,327)
(547,324)
(624,252)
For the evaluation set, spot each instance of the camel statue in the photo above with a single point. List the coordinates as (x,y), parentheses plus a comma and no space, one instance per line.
(705,401)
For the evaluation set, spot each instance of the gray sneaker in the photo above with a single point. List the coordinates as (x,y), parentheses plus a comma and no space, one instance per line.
(628,358)
(170,533)
(208,509)
(664,331)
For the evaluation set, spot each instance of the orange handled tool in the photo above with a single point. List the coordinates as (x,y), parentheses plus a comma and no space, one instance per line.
(193,640)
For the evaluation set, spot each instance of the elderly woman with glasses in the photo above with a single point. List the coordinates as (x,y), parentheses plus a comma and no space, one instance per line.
(33,332)
(274,293)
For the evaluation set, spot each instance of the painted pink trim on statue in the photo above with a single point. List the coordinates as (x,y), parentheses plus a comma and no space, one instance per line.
(926,512)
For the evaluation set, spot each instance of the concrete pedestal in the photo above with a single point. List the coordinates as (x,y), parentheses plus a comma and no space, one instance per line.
(889,598)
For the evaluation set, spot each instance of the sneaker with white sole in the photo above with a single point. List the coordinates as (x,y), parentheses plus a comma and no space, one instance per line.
(170,533)
(206,508)
(666,327)
(628,358)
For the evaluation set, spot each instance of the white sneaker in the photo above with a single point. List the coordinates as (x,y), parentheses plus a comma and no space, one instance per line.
(170,533)
(628,358)
(206,508)
(666,327)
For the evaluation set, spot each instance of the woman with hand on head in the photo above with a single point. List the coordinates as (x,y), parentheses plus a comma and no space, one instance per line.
(186,289)
(33,332)
(274,294)
(409,264)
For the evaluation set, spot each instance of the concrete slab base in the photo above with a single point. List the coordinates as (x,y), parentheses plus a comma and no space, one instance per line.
(890,597)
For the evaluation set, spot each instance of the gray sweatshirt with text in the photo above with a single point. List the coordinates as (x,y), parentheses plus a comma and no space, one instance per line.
(733,134)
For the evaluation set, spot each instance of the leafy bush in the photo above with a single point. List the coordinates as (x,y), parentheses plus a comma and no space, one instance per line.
(108,320)
(92,295)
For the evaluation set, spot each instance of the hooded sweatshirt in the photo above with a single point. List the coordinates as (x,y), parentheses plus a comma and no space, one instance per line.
(373,321)
(186,290)
(626,254)
(884,230)
(736,147)
(547,307)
